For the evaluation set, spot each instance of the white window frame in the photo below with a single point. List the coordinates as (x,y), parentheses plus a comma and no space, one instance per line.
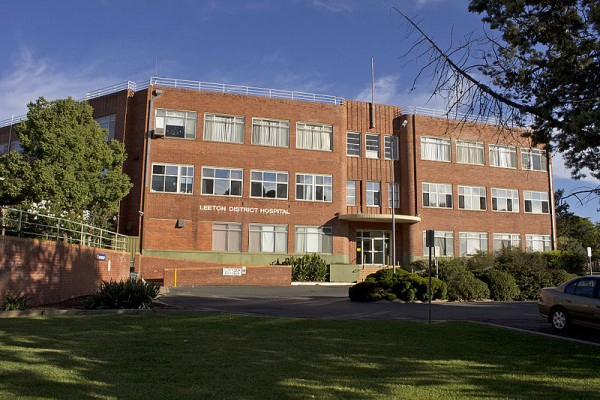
(537,242)
(353,144)
(372,145)
(442,239)
(314,136)
(108,122)
(232,128)
(351,191)
(396,191)
(188,120)
(436,149)
(500,199)
(468,152)
(470,243)
(313,239)
(270,132)
(390,147)
(534,159)
(183,174)
(373,194)
(233,236)
(503,156)
(268,237)
(278,179)
(506,240)
(437,192)
(307,186)
(222,171)
(470,198)
(536,202)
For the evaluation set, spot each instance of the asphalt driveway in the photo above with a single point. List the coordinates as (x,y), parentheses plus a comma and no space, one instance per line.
(332,302)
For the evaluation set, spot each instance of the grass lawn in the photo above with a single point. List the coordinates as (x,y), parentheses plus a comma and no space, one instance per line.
(219,356)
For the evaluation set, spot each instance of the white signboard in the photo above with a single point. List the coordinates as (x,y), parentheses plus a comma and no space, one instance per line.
(234,271)
(589,249)
(244,210)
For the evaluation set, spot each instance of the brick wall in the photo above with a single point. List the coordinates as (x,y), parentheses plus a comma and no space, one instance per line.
(50,271)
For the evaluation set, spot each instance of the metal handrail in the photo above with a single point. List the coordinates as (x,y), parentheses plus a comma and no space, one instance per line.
(21,223)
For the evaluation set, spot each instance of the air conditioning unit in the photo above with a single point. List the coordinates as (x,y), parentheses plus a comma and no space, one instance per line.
(159,132)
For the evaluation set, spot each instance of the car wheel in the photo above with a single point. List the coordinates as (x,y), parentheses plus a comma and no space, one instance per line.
(559,319)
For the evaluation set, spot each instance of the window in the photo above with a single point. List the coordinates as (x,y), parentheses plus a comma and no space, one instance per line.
(269,132)
(267,238)
(390,147)
(351,193)
(506,240)
(472,242)
(583,287)
(108,123)
(313,240)
(16,146)
(224,128)
(221,181)
(534,159)
(435,149)
(505,200)
(537,242)
(3,149)
(314,136)
(442,240)
(469,152)
(503,156)
(373,193)
(472,198)
(372,146)
(393,189)
(536,202)
(311,187)
(179,124)
(353,144)
(227,236)
(172,178)
(437,195)
(268,184)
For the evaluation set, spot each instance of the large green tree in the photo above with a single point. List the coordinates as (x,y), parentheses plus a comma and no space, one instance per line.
(540,61)
(66,164)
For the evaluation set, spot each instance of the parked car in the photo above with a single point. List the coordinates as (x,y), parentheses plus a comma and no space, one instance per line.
(574,302)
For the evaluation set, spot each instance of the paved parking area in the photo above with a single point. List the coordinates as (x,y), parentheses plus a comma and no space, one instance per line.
(332,302)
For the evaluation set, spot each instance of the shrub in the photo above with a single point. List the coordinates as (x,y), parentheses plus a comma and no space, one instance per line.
(16,302)
(529,270)
(567,260)
(560,275)
(502,285)
(481,261)
(132,293)
(367,290)
(451,266)
(464,286)
(309,267)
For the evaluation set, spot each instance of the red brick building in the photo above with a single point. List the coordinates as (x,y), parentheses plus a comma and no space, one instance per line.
(246,176)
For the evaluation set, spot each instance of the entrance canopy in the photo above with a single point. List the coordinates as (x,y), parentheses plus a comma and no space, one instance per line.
(399,218)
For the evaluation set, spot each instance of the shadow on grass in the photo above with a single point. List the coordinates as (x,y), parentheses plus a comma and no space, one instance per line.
(220,356)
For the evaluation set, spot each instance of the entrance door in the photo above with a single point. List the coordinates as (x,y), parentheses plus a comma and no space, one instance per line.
(372,247)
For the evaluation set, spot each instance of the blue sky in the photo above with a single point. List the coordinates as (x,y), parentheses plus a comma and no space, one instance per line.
(63,48)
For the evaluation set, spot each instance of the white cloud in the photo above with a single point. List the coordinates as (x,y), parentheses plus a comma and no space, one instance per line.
(559,170)
(388,91)
(337,6)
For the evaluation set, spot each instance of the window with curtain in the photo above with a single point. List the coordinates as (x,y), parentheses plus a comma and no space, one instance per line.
(393,189)
(312,187)
(224,128)
(505,200)
(353,144)
(177,124)
(227,236)
(390,147)
(372,146)
(312,239)
(471,198)
(437,195)
(503,156)
(537,242)
(269,132)
(269,184)
(267,238)
(506,240)
(172,178)
(443,240)
(108,123)
(536,202)
(472,242)
(534,159)
(373,193)
(469,152)
(222,181)
(435,149)
(351,192)
(314,136)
